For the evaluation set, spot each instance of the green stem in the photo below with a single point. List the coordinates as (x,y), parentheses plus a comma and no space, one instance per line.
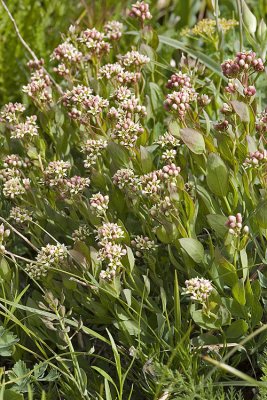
(240,18)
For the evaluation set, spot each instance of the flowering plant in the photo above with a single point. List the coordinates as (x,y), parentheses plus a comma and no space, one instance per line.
(134,195)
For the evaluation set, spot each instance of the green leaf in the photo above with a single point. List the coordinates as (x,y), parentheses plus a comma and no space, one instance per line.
(119,155)
(211,321)
(105,375)
(156,96)
(256,313)
(263,280)
(7,341)
(12,395)
(217,175)
(238,291)
(249,18)
(193,248)
(261,214)
(174,128)
(193,140)
(146,160)
(115,353)
(131,258)
(236,329)
(241,110)
(107,390)
(226,270)
(177,308)
(21,374)
(217,223)
(5,271)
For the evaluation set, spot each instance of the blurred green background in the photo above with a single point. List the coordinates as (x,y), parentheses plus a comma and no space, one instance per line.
(41,23)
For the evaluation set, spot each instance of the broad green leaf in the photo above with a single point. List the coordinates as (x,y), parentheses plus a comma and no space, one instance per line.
(237,328)
(21,376)
(5,271)
(12,395)
(146,160)
(174,128)
(118,154)
(214,320)
(193,140)
(226,270)
(263,280)
(256,313)
(131,258)
(193,248)
(241,110)
(261,214)
(156,96)
(128,296)
(238,291)
(217,223)
(7,341)
(249,18)
(217,175)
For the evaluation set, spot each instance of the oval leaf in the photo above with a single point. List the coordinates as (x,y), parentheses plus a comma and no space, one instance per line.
(261,214)
(193,248)
(217,175)
(193,140)
(241,109)
(217,223)
(236,329)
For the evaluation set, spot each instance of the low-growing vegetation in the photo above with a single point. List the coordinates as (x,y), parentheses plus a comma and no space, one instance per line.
(134,213)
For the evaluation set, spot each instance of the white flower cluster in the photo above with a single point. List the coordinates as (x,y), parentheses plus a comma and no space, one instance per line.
(199,289)
(66,52)
(39,88)
(4,234)
(168,140)
(82,104)
(180,101)
(13,161)
(124,178)
(81,234)
(109,232)
(113,30)
(55,172)
(69,56)
(99,203)
(143,245)
(20,215)
(20,128)
(133,59)
(164,206)
(75,185)
(16,186)
(93,149)
(10,111)
(27,129)
(111,252)
(126,132)
(94,42)
(55,176)
(48,256)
